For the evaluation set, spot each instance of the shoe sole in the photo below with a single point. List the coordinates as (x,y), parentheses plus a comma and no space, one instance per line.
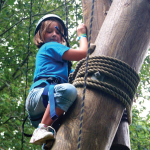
(43,140)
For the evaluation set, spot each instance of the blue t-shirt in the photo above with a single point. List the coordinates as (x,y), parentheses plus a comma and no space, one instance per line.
(49,62)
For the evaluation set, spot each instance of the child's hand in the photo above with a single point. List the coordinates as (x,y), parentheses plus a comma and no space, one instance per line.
(81,29)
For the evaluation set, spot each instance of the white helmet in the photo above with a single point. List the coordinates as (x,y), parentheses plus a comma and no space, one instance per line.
(46,17)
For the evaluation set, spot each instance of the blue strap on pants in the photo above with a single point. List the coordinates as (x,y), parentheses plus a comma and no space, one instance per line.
(50,88)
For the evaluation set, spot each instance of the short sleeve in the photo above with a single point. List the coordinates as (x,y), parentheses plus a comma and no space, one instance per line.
(55,50)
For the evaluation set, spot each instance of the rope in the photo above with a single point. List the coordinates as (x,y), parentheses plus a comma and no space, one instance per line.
(111,61)
(69,62)
(113,69)
(85,78)
(114,73)
(26,74)
(66,18)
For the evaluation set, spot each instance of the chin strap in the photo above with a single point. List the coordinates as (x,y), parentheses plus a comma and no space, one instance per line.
(63,36)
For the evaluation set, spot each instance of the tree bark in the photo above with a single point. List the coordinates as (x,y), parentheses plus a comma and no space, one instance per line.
(125,32)
(124,35)
(122,137)
(101,9)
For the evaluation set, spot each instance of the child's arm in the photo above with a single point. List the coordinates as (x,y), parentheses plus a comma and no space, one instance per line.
(78,54)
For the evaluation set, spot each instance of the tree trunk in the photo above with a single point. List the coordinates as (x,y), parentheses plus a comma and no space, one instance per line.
(125,32)
(124,35)
(101,9)
(122,137)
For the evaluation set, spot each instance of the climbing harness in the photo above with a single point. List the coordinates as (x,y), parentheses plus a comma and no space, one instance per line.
(49,89)
(85,78)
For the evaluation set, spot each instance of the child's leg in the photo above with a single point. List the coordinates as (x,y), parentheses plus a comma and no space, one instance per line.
(47,118)
(64,95)
(45,132)
(35,107)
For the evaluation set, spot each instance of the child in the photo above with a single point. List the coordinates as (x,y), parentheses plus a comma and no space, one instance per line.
(50,85)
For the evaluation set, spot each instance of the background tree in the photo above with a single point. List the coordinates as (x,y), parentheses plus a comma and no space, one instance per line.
(17,58)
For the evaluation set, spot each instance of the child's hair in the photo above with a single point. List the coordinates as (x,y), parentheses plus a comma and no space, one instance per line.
(39,37)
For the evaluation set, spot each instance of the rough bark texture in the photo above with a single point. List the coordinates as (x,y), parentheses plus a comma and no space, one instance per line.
(125,32)
(101,9)
(122,137)
(98,126)
(124,35)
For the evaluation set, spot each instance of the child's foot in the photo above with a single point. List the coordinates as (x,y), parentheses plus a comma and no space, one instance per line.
(42,134)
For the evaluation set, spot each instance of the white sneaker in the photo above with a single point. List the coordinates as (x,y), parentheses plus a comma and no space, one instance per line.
(42,134)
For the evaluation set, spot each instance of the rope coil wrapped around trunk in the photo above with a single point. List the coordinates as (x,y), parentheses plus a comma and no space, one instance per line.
(113,69)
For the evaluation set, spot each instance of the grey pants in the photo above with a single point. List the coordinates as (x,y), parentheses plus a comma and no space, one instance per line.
(64,95)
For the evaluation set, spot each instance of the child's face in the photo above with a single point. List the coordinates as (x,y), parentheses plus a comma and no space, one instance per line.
(52,34)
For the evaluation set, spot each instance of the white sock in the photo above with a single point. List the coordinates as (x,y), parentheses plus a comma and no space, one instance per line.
(41,125)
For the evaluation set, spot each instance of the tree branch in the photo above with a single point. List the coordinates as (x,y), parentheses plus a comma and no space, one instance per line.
(8,57)
(29,18)
(16,77)
(11,118)
(2,3)
(15,72)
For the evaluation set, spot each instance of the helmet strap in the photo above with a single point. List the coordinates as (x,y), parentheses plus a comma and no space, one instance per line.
(63,36)
(40,35)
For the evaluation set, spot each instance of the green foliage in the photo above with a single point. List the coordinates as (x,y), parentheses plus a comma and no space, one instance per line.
(140,127)
(17,61)
(17,58)
(140,131)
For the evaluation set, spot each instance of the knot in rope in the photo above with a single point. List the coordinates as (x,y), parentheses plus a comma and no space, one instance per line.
(122,83)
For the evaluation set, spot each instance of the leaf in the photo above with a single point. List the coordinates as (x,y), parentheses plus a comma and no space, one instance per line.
(10,2)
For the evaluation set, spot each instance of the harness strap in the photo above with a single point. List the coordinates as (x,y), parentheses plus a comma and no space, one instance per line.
(45,95)
(49,91)
(52,103)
